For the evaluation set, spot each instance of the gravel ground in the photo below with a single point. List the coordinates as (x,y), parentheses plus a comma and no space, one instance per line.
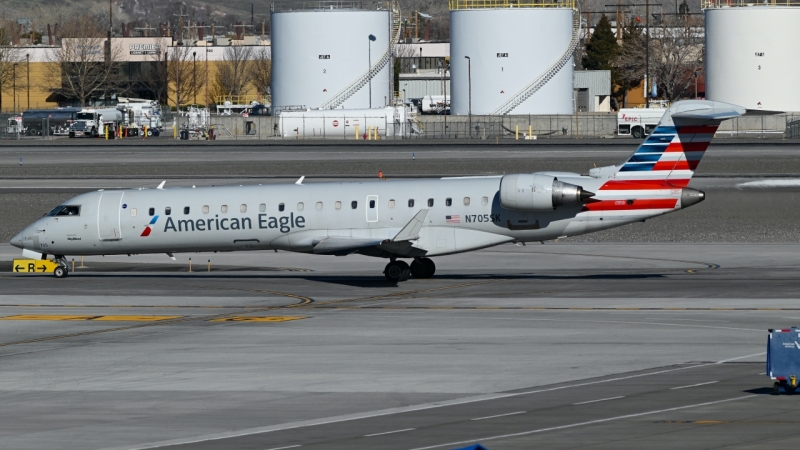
(728,215)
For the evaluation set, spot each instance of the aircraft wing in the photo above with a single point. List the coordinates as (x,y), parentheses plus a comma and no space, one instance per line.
(336,245)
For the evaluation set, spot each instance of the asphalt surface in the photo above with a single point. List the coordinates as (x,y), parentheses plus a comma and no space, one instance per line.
(646,336)
(558,346)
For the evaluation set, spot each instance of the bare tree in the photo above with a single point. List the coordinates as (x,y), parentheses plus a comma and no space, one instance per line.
(185,78)
(676,51)
(234,69)
(79,68)
(261,70)
(155,76)
(9,57)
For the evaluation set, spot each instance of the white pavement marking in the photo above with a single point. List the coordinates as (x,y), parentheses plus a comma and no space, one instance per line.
(599,400)
(392,411)
(741,357)
(390,432)
(694,385)
(500,415)
(282,448)
(770,183)
(580,424)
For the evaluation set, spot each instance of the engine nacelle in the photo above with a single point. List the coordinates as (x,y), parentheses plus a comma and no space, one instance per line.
(535,192)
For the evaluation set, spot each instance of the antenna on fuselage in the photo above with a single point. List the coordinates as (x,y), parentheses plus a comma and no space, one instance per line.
(300,181)
(161,186)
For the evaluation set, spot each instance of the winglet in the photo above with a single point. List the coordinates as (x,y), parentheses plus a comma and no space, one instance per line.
(300,181)
(411,230)
(161,186)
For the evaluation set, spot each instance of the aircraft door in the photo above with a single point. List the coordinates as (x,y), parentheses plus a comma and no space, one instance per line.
(372,208)
(108,216)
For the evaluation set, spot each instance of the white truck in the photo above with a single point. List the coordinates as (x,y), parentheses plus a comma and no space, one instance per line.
(434,104)
(638,122)
(140,113)
(92,122)
(392,121)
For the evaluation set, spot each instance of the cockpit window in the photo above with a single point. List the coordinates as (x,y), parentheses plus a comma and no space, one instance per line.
(65,210)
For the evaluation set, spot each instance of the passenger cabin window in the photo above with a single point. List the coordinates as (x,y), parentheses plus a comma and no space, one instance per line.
(372,204)
(281,207)
(243,208)
(411,203)
(391,203)
(430,202)
(466,201)
(300,206)
(262,207)
(133,212)
(319,206)
(338,205)
(224,208)
(167,210)
(448,201)
(205,209)
(354,204)
(186,210)
(485,201)
(152,212)
(64,210)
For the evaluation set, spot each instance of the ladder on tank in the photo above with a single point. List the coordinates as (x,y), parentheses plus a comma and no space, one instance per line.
(548,75)
(341,97)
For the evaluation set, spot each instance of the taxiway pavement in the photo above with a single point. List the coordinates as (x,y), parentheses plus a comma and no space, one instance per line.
(558,345)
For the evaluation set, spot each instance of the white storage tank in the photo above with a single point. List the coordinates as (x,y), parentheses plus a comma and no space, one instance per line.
(509,47)
(317,54)
(753,56)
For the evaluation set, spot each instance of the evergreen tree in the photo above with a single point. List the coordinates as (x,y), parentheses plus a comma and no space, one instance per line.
(602,48)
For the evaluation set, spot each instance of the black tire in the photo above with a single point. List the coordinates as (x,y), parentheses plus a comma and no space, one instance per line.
(72,135)
(417,269)
(776,388)
(396,271)
(430,267)
(149,133)
(637,132)
(61,272)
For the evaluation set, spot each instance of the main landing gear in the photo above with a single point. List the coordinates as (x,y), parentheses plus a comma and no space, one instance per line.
(397,271)
(63,269)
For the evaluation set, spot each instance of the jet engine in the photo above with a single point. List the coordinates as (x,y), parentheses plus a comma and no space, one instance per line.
(537,192)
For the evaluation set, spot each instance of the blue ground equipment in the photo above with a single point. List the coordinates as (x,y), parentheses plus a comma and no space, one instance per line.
(783,359)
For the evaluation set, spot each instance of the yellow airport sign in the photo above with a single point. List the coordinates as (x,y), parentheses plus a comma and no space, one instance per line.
(33,266)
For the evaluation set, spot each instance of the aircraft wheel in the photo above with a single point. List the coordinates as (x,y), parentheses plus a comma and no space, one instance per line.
(61,272)
(396,271)
(423,268)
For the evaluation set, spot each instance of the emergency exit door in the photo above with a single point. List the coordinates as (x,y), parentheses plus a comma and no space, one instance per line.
(108,216)
(372,208)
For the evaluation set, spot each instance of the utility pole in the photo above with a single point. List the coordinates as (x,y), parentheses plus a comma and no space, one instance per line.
(646,47)
(469,82)
(28,75)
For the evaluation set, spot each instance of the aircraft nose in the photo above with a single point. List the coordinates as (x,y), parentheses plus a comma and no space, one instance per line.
(16,241)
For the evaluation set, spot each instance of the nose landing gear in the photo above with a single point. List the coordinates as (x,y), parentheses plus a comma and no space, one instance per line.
(397,271)
(63,269)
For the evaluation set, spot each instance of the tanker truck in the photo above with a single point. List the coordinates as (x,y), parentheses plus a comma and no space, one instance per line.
(91,122)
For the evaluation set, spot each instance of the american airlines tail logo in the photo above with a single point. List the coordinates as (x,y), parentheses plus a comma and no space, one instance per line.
(148,229)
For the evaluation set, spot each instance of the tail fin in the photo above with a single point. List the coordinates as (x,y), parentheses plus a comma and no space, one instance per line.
(670,155)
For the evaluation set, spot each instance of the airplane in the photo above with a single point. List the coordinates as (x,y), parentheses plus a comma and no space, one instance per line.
(394,220)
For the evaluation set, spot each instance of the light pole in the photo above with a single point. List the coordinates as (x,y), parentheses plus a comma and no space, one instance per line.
(194,76)
(469,81)
(28,77)
(15,87)
(369,64)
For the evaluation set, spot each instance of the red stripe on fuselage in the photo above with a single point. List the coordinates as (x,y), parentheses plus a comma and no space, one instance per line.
(643,185)
(622,205)
(676,165)
(146,231)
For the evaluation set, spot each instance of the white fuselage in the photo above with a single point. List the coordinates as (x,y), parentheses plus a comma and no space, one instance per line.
(463,214)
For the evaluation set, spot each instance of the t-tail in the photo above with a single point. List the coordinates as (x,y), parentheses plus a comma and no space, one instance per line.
(667,159)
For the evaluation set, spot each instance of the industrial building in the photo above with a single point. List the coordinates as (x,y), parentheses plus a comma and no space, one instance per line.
(332,57)
(512,57)
(752,56)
